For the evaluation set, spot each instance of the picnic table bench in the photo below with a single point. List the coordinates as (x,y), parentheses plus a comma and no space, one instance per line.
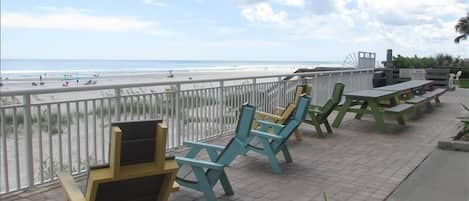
(435,94)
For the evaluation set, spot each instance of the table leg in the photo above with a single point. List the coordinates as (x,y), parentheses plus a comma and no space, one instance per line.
(394,100)
(378,116)
(362,110)
(342,112)
(401,119)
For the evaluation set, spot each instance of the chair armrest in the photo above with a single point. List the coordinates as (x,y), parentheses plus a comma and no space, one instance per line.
(199,163)
(264,115)
(265,135)
(70,187)
(204,145)
(314,110)
(279,110)
(318,107)
(270,124)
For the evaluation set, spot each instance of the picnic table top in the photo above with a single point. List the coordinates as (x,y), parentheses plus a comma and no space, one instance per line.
(370,93)
(405,85)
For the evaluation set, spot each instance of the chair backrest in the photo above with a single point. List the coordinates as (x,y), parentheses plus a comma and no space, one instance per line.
(301,89)
(458,74)
(232,149)
(296,120)
(134,145)
(137,141)
(146,188)
(333,101)
(287,113)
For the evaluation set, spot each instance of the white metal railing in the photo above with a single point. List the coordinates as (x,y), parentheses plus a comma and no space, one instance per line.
(41,135)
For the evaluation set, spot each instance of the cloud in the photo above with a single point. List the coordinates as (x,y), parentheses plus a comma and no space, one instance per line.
(295,3)
(263,13)
(419,26)
(72,19)
(415,12)
(321,7)
(154,2)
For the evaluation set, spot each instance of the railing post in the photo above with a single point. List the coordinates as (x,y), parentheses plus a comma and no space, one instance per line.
(117,97)
(28,139)
(284,94)
(178,114)
(315,89)
(329,85)
(254,93)
(221,107)
(360,84)
(279,98)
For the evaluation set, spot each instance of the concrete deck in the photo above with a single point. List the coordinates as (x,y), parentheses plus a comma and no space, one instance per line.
(355,164)
(444,175)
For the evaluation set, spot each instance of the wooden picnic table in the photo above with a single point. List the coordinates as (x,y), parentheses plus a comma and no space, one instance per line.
(370,104)
(409,89)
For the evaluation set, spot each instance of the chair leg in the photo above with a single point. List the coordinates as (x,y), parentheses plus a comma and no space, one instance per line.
(272,158)
(319,130)
(204,184)
(298,135)
(437,99)
(317,125)
(286,154)
(328,126)
(225,183)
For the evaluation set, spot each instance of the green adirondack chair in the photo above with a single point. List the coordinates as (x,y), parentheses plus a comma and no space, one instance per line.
(318,114)
(272,144)
(204,175)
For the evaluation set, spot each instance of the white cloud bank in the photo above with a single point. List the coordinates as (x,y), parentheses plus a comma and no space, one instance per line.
(263,13)
(71,19)
(420,26)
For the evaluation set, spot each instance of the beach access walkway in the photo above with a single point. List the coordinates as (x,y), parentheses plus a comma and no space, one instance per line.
(356,163)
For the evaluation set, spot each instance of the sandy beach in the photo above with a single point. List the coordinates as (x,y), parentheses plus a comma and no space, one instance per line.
(12,84)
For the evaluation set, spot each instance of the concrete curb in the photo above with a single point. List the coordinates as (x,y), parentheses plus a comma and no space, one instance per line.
(454,145)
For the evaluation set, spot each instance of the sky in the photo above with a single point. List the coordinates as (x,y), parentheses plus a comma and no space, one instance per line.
(299,30)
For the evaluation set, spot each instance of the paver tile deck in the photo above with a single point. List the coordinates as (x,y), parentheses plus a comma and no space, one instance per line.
(356,163)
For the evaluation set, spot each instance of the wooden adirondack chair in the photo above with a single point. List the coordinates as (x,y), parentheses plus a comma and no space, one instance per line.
(282,115)
(318,114)
(137,169)
(204,175)
(272,144)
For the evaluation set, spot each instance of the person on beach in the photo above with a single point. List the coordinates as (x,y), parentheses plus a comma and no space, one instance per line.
(40,80)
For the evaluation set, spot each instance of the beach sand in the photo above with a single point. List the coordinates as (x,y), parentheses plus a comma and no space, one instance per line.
(148,77)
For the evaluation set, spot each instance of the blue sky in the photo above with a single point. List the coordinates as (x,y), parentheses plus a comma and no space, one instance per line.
(228,29)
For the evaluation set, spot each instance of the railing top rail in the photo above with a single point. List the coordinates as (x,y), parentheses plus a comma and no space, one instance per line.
(148,84)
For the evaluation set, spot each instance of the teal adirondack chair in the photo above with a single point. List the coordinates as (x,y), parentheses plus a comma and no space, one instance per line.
(318,114)
(204,175)
(272,144)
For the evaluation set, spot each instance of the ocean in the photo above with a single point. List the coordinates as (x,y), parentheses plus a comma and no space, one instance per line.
(59,68)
